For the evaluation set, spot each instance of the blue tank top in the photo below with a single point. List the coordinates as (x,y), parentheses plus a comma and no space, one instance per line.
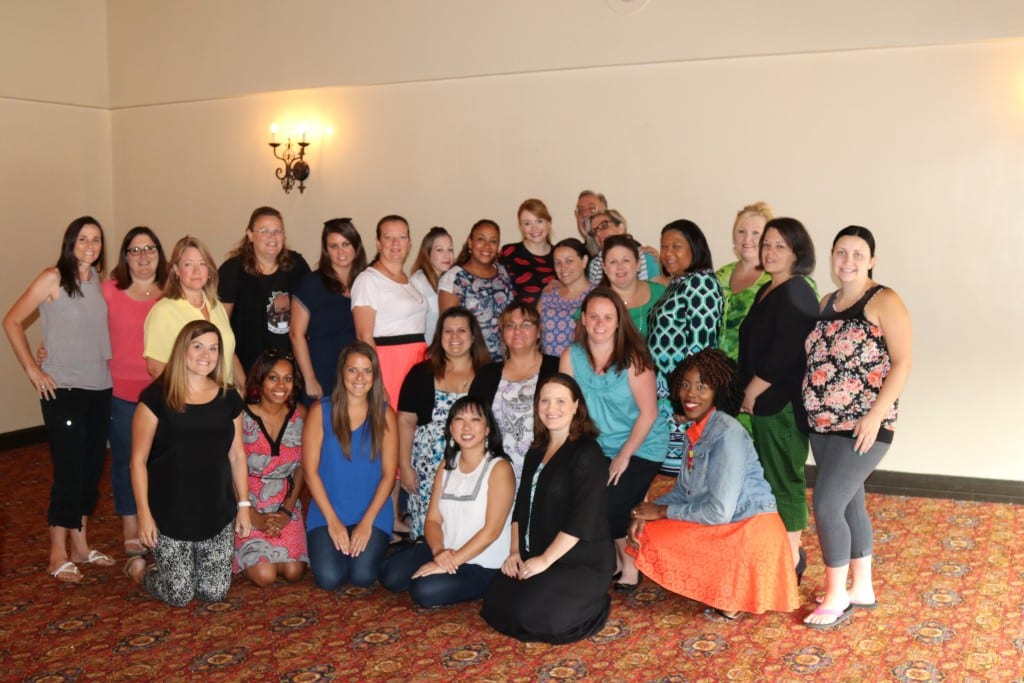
(613,409)
(350,484)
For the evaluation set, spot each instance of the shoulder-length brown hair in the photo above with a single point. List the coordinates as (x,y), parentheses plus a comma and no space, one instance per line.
(246,253)
(376,413)
(172,288)
(122,274)
(478,353)
(581,424)
(345,228)
(423,257)
(175,378)
(629,348)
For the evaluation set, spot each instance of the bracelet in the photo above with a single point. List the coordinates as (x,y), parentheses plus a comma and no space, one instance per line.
(285,511)
(244,504)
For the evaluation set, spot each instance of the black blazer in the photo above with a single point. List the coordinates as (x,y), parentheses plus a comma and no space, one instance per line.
(485,384)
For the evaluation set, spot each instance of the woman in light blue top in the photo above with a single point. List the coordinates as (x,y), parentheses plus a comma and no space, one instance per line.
(613,368)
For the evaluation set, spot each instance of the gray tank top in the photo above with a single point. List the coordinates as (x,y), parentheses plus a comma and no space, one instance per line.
(76,338)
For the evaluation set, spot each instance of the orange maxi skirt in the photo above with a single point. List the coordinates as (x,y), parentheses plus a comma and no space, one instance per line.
(745,566)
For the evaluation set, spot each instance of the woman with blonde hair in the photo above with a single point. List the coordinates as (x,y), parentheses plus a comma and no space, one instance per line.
(189,473)
(189,294)
(741,279)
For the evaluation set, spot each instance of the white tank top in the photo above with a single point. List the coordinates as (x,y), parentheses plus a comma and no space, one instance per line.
(463,507)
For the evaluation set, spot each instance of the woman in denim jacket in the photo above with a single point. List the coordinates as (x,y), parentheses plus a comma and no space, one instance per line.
(716,537)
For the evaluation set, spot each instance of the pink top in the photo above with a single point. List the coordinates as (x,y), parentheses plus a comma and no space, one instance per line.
(125,320)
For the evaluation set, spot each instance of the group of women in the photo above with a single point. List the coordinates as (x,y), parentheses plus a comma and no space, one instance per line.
(521,407)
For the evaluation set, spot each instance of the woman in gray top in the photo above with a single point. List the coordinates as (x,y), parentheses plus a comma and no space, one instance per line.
(73,385)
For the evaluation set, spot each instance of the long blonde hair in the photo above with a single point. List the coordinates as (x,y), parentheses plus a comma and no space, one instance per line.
(376,413)
(174,378)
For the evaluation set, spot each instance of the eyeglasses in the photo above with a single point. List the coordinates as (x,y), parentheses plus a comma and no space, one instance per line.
(278,354)
(606,224)
(135,251)
(523,325)
(270,232)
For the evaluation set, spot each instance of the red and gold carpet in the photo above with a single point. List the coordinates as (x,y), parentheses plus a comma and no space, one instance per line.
(950,580)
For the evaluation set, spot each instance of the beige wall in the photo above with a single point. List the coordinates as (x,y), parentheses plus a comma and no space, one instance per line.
(924,144)
(55,164)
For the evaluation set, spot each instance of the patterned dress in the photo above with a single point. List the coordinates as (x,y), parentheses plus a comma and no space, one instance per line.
(737,304)
(529,272)
(272,465)
(486,297)
(427,453)
(557,325)
(686,319)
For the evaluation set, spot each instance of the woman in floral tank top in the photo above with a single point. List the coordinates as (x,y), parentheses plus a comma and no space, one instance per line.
(858,359)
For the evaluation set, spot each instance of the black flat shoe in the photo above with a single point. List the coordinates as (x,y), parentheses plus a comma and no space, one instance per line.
(801,566)
(626,588)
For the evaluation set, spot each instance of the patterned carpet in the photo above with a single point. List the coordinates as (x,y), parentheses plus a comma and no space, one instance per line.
(950,580)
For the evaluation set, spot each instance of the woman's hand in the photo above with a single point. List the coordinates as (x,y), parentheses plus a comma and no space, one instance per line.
(512,565)
(339,534)
(617,467)
(360,537)
(148,533)
(533,566)
(429,569)
(313,388)
(649,512)
(44,384)
(446,560)
(243,523)
(408,480)
(866,431)
(636,528)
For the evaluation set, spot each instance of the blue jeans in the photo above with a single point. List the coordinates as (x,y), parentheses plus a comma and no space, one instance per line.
(331,567)
(469,582)
(121,413)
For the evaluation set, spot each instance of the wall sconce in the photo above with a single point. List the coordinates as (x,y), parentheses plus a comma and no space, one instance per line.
(295,168)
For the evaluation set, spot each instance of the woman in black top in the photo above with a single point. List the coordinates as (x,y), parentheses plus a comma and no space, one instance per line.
(772,364)
(554,585)
(189,473)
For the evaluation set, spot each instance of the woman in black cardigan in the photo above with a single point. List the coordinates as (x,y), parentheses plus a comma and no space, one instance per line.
(772,366)
(554,585)
(508,386)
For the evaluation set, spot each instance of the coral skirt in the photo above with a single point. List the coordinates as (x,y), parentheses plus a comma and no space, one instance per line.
(745,566)
(396,359)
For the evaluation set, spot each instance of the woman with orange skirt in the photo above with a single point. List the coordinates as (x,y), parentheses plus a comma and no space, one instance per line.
(716,537)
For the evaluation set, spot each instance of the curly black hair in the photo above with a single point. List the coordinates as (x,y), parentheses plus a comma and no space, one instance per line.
(718,371)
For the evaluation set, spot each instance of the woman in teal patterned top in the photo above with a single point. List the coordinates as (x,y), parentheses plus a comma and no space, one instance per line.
(686,319)
(741,279)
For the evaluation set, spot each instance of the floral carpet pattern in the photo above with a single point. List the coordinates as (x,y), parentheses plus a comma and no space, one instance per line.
(949,576)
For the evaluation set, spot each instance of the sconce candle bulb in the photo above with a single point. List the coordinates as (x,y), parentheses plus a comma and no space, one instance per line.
(294,166)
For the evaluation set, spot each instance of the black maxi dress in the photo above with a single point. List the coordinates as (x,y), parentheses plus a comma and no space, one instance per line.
(569,601)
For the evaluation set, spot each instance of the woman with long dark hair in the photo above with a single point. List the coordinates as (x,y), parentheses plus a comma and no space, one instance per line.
(468,520)
(349,456)
(322,323)
(73,385)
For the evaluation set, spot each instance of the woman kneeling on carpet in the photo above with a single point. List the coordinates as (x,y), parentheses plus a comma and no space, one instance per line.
(272,436)
(350,456)
(717,536)
(188,472)
(553,587)
(467,523)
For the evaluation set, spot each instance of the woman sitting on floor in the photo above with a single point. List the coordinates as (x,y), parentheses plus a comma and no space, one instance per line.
(553,586)
(272,437)
(350,456)
(468,520)
(717,536)
(188,472)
